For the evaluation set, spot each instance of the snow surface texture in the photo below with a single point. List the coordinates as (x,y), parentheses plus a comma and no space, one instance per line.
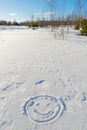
(43,80)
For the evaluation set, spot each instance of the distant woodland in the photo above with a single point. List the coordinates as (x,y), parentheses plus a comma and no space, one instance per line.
(39,23)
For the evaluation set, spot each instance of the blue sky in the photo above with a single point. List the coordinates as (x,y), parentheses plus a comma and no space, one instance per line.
(21,10)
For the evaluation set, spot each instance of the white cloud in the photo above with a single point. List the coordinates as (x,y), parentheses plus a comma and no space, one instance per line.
(12,14)
(48,13)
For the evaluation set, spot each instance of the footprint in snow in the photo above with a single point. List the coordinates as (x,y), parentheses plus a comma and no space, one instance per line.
(39,82)
(6,87)
(20,83)
(83,97)
(3,123)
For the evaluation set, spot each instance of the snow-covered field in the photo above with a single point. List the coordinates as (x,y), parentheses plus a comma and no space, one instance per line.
(43,81)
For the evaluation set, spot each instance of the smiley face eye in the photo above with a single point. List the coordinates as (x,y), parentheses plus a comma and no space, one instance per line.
(31,103)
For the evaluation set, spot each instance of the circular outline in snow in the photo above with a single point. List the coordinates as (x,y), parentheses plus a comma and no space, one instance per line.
(43,109)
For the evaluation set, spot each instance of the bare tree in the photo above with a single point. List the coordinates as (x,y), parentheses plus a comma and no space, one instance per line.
(51,4)
(80,14)
(78,11)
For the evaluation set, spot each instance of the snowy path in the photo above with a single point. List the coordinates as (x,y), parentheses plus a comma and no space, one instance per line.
(43,81)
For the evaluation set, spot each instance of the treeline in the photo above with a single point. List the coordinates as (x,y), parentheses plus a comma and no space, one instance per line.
(40,23)
(8,23)
(48,23)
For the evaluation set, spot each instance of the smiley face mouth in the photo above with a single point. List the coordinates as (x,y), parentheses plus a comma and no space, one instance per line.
(49,113)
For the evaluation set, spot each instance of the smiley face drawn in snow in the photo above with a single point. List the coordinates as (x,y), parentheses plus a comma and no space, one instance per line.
(43,109)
